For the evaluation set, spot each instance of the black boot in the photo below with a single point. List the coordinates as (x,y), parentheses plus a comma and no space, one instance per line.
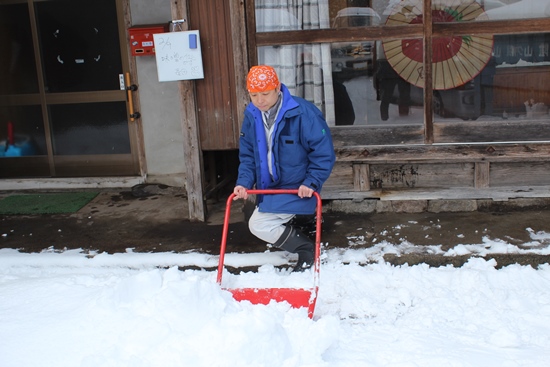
(294,241)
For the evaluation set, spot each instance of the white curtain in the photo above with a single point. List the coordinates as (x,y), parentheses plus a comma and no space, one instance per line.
(305,68)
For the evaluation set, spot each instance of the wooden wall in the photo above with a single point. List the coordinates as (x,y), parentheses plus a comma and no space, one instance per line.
(463,171)
(219,92)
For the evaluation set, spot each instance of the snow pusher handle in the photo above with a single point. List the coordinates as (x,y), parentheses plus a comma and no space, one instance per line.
(318,220)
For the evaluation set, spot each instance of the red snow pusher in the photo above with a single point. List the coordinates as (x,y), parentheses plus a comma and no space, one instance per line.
(296,297)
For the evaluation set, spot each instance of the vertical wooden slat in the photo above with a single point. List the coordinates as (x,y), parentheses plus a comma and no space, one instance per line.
(251,32)
(216,93)
(42,89)
(482,175)
(240,58)
(190,131)
(361,177)
(129,65)
(428,89)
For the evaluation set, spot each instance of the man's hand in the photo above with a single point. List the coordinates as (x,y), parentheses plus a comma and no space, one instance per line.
(240,193)
(305,192)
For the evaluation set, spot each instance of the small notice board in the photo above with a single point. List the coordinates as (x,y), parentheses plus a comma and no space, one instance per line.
(178,56)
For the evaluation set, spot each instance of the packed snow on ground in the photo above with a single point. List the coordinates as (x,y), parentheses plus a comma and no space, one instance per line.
(72,308)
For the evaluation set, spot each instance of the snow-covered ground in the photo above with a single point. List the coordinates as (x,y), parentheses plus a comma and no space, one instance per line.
(87,309)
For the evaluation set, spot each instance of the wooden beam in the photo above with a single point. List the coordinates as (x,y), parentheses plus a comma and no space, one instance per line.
(427,72)
(455,193)
(191,134)
(460,153)
(353,34)
(345,136)
(240,57)
(492,131)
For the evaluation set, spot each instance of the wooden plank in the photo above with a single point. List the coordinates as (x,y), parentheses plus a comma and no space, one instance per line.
(520,173)
(428,72)
(341,178)
(492,131)
(481,176)
(216,93)
(190,132)
(338,35)
(457,193)
(424,175)
(250,21)
(508,26)
(240,60)
(361,179)
(450,29)
(379,135)
(490,152)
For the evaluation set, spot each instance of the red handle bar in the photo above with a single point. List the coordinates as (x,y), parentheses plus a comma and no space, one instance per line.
(318,220)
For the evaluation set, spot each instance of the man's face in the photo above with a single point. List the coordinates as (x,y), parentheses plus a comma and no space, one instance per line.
(265,100)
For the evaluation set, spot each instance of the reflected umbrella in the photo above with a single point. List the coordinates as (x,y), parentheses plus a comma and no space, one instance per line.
(456,59)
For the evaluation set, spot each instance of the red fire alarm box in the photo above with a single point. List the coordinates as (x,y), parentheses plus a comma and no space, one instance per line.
(141,38)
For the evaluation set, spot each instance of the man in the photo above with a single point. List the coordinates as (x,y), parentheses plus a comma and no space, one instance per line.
(285,143)
(387,78)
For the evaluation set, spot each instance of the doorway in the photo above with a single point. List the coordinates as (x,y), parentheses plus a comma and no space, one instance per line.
(63,99)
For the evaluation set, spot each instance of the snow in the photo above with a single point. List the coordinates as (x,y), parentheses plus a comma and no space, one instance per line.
(76,308)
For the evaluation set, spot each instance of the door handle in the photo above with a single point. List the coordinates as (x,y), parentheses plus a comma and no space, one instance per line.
(129,89)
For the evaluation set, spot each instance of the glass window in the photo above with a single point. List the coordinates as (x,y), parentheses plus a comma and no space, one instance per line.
(17,61)
(513,84)
(305,70)
(90,128)
(343,79)
(521,80)
(398,99)
(79,53)
(21,131)
(371,74)
(286,15)
(522,9)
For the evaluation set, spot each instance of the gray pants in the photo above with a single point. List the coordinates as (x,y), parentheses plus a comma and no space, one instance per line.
(268,226)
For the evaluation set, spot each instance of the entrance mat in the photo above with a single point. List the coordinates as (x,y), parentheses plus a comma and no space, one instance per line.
(45,203)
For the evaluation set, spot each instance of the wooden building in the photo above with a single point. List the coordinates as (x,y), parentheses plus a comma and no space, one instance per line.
(484,137)
(498,156)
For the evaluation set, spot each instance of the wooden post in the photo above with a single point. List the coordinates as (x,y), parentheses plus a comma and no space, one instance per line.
(482,175)
(190,130)
(428,79)
(361,179)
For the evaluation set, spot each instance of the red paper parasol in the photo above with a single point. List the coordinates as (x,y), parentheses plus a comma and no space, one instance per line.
(456,60)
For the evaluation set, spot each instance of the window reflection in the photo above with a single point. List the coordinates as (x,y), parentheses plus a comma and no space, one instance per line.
(354,57)
(21,131)
(523,9)
(304,69)
(521,80)
(339,78)
(90,128)
(375,83)
(79,53)
(17,66)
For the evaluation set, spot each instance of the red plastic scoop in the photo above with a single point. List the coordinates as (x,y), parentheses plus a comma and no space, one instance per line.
(296,297)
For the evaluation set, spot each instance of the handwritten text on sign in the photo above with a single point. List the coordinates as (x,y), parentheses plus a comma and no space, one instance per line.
(178,56)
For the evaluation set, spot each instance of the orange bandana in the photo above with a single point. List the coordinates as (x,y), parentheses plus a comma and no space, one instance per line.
(261,78)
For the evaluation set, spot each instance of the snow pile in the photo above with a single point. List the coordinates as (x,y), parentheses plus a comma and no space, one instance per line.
(79,309)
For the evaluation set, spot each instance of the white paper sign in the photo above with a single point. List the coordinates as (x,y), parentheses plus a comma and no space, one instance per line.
(178,56)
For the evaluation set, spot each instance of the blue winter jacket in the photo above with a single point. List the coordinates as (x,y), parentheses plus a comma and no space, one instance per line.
(303,154)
